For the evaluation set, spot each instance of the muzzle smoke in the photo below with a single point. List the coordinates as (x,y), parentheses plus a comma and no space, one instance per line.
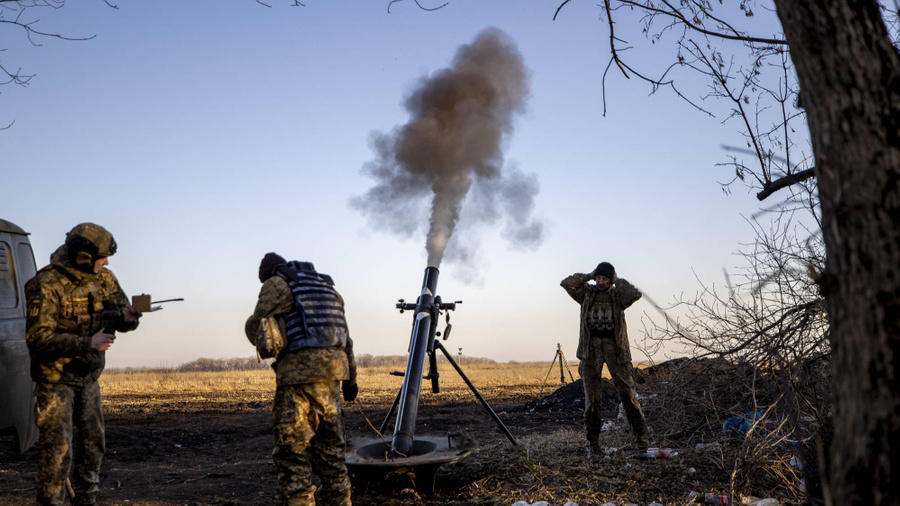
(460,118)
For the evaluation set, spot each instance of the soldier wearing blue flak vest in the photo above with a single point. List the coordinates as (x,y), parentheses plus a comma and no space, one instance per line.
(313,368)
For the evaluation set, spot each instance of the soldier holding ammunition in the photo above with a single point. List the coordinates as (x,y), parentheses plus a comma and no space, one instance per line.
(69,329)
(603,339)
(313,368)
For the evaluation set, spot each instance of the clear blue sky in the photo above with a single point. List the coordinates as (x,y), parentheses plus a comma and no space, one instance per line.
(204,134)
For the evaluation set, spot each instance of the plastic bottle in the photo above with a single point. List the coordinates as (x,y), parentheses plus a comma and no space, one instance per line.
(657,453)
(714,499)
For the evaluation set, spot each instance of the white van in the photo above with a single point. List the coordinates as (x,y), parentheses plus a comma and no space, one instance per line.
(16,388)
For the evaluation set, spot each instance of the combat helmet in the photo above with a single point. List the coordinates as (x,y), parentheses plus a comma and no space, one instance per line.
(88,242)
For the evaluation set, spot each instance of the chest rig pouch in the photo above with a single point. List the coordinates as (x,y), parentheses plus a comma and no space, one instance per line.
(317,318)
(82,307)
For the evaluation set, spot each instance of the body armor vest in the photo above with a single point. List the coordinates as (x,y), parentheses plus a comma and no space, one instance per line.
(317,318)
(80,307)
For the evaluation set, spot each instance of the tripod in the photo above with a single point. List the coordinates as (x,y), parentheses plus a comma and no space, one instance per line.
(562,362)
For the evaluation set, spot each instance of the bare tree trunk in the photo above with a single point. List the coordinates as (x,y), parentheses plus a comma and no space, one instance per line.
(849,77)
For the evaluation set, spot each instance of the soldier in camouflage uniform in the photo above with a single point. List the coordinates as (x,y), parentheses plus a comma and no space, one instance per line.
(310,377)
(603,339)
(67,342)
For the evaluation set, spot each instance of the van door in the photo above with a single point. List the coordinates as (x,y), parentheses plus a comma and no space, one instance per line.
(16,387)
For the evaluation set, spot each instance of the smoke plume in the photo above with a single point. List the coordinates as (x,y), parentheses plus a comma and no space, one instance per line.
(460,118)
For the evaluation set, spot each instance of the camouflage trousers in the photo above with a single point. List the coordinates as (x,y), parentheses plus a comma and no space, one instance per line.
(309,437)
(604,351)
(57,408)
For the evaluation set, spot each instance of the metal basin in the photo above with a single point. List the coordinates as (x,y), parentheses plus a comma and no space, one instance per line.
(371,459)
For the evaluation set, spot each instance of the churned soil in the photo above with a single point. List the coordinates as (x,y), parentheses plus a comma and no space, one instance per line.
(191,449)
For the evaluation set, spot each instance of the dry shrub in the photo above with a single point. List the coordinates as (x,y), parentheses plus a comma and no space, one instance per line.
(762,464)
(690,401)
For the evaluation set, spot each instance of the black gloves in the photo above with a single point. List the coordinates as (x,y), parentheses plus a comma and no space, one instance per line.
(350,389)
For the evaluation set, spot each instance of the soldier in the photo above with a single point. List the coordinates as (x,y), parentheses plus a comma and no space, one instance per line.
(314,368)
(604,339)
(69,303)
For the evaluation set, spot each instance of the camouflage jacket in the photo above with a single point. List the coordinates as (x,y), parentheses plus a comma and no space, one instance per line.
(64,312)
(623,294)
(309,365)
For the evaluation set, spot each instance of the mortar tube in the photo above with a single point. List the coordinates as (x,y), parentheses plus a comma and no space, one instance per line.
(405,428)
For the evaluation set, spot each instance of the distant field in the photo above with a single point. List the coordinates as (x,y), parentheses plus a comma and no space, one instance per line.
(158,389)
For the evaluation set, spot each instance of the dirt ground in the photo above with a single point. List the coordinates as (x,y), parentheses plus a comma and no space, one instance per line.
(198,450)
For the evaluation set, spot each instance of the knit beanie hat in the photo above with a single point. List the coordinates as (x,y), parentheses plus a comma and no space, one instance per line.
(268,265)
(604,269)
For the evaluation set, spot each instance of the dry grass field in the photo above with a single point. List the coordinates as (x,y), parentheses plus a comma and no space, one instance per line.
(166,391)
(204,438)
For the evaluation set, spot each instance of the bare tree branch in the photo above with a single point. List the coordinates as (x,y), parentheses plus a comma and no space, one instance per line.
(429,9)
(678,15)
(560,8)
(14,15)
(784,182)
(765,109)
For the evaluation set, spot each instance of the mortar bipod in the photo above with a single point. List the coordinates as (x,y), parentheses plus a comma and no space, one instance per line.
(433,374)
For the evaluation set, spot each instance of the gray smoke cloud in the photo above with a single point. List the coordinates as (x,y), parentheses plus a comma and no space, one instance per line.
(460,118)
